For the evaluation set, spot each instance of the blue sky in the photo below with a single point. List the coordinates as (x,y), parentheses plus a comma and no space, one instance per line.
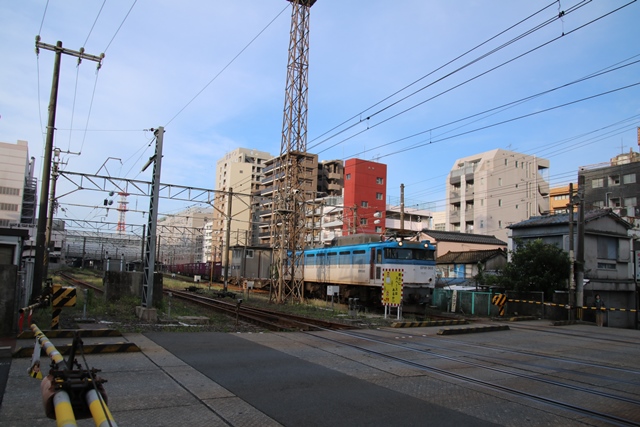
(172,64)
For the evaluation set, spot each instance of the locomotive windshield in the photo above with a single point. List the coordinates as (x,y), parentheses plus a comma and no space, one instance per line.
(409,254)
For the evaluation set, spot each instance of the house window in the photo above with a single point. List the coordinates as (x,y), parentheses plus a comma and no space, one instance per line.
(379,196)
(607,247)
(597,183)
(249,253)
(614,180)
(629,179)
(379,180)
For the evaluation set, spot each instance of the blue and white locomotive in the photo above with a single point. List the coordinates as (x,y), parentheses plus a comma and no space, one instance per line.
(357,265)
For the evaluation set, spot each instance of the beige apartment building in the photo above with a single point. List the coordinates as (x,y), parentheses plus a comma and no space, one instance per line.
(242,171)
(18,202)
(489,191)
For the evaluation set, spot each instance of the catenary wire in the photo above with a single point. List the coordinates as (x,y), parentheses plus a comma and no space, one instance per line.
(120,26)
(226,66)
(476,76)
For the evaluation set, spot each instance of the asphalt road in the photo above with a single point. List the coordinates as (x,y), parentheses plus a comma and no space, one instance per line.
(294,392)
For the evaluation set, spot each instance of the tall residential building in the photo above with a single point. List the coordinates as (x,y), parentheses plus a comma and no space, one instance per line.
(242,171)
(614,185)
(330,177)
(18,187)
(489,191)
(365,195)
(274,172)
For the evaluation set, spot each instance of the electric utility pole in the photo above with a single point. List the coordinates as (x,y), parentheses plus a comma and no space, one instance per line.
(42,257)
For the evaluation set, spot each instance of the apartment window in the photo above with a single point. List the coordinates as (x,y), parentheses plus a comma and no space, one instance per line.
(599,204)
(348,176)
(363,221)
(499,202)
(629,179)
(499,182)
(516,164)
(597,183)
(630,203)
(249,253)
(378,229)
(614,180)
(379,196)
(9,191)
(499,224)
(506,162)
(364,204)
(482,223)
(379,180)
(8,207)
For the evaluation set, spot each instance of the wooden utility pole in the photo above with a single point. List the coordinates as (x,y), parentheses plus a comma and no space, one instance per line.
(42,258)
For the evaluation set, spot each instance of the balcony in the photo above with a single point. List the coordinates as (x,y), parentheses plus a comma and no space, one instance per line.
(454,216)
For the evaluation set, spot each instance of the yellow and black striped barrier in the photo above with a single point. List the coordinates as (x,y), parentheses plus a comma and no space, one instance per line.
(500,300)
(62,296)
(551,304)
(472,330)
(71,333)
(428,323)
(98,348)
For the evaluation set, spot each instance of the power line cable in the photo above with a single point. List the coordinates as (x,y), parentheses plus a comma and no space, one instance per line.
(225,67)
(120,26)
(427,75)
(94,23)
(477,76)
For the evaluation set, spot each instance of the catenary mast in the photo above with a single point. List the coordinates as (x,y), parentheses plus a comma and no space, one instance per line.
(288,220)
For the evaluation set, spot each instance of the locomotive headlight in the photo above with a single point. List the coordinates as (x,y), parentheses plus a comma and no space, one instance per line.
(426,245)
(399,243)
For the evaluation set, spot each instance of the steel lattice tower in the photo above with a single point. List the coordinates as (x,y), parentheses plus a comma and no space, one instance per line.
(288,222)
(122,212)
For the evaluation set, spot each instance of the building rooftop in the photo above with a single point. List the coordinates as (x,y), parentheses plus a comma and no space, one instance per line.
(538,221)
(469,257)
(454,236)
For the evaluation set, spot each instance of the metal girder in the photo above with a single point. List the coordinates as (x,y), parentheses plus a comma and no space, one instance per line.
(133,187)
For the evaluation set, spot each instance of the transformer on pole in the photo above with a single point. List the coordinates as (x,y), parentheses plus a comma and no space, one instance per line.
(288,221)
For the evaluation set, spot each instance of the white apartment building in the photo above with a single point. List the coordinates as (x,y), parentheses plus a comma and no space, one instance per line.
(180,235)
(18,202)
(240,170)
(489,191)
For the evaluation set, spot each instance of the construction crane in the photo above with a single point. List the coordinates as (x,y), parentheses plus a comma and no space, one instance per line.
(288,220)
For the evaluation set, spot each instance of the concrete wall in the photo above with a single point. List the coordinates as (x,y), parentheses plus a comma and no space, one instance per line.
(118,284)
(8,309)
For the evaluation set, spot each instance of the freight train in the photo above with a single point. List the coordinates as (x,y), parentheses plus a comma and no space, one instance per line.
(202,269)
(357,266)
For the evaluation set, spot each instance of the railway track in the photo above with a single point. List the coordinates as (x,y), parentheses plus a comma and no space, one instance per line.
(70,279)
(564,383)
(269,319)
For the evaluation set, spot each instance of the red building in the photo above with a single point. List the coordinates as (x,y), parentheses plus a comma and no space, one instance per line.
(365,195)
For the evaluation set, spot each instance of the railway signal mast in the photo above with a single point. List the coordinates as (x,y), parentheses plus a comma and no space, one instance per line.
(288,222)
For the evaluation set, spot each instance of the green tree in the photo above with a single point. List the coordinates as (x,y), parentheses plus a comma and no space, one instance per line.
(537,266)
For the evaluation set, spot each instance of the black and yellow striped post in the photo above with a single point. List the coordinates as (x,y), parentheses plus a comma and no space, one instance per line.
(63,296)
(499,300)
